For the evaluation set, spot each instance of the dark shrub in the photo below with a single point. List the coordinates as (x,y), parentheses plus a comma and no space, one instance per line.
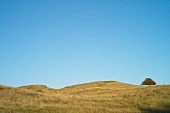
(148,81)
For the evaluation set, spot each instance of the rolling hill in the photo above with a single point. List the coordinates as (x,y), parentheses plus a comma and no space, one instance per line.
(94,97)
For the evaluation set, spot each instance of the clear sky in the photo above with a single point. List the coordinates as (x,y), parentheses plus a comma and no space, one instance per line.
(64,42)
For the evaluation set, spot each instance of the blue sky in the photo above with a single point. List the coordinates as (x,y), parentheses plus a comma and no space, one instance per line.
(65,42)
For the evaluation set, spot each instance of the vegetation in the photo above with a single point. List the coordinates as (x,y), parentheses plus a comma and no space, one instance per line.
(95,97)
(148,81)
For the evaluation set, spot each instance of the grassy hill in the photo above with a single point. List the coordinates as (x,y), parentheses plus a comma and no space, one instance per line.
(95,97)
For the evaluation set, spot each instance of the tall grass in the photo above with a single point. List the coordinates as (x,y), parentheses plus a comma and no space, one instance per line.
(96,97)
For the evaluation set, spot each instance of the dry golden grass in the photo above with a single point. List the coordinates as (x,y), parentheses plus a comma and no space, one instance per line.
(95,97)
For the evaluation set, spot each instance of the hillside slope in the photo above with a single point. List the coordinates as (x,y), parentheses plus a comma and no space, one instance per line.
(95,97)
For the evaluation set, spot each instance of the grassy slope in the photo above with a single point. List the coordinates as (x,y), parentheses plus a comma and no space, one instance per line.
(95,97)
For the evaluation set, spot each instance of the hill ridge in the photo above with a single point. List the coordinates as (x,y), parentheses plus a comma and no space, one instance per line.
(93,97)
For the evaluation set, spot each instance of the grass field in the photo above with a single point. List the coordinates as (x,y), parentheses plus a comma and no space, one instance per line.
(94,97)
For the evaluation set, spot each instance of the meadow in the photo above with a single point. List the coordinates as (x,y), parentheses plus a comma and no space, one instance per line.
(94,97)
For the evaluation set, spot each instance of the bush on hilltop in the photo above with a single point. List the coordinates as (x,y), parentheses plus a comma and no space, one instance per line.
(148,81)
